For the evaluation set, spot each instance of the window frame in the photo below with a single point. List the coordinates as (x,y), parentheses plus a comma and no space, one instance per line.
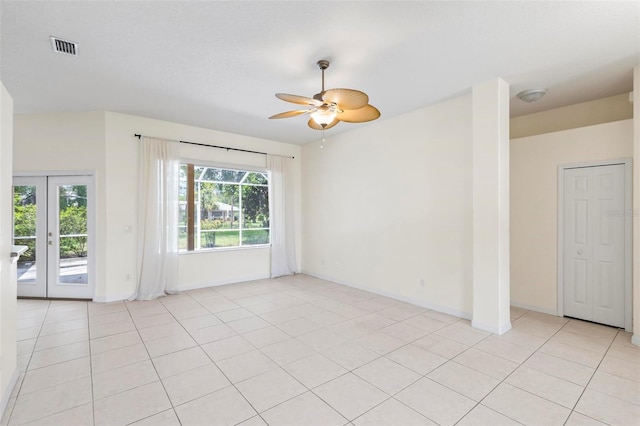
(194,225)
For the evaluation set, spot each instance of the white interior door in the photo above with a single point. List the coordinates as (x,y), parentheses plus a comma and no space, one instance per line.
(57,213)
(594,244)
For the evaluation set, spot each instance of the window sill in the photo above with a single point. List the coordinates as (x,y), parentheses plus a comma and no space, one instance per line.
(222,249)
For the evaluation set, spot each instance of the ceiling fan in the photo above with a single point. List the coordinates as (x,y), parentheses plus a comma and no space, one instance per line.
(329,107)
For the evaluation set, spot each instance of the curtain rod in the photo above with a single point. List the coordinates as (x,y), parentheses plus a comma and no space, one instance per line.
(228,148)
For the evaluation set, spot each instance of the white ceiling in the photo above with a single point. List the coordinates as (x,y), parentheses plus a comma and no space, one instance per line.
(218,64)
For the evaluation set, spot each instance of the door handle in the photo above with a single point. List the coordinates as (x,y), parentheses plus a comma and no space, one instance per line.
(50,243)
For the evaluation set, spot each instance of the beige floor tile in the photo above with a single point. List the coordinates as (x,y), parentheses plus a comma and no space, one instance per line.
(212,333)
(610,364)
(618,387)
(488,364)
(203,321)
(464,380)
(440,316)
(280,316)
(567,370)
(105,308)
(380,343)
(416,359)
(62,326)
(53,400)
(169,344)
(181,361)
(581,341)
(387,375)
(374,322)
(109,318)
(392,412)
(298,327)
(506,350)
(106,361)
(350,355)
(116,341)
(4,421)
(165,418)
(314,370)
(56,374)
(590,329)
(81,415)
(61,339)
(572,353)
(306,409)
(631,354)
(154,320)
(226,348)
(287,351)
(190,312)
(577,419)
(463,333)
(321,339)
(608,409)
(132,405)
(103,330)
(525,407)
(350,395)
(326,318)
(483,416)
(249,324)
(246,365)
(436,402)
(234,314)
(269,389)
(192,384)
(224,407)
(26,346)
(425,323)
(546,386)
(59,354)
(404,332)
(122,379)
(159,331)
(27,333)
(441,346)
(266,336)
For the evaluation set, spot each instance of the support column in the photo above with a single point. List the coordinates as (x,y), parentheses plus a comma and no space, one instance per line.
(636,208)
(491,301)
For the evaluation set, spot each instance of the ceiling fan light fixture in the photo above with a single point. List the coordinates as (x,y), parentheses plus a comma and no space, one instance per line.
(323,115)
(531,95)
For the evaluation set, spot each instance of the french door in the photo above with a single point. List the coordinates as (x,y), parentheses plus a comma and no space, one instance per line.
(53,216)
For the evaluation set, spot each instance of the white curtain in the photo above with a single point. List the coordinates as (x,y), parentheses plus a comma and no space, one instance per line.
(281,219)
(158,180)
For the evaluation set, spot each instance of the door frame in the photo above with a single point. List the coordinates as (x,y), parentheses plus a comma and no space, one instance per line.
(628,237)
(91,219)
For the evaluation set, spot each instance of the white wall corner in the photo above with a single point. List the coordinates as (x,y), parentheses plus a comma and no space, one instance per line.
(635,339)
(6,394)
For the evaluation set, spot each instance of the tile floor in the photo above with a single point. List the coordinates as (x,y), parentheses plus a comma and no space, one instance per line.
(302,351)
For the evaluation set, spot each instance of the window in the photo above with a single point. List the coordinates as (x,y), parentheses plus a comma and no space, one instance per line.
(222,208)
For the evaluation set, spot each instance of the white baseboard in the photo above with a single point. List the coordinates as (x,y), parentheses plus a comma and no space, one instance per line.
(501,329)
(635,339)
(535,309)
(6,394)
(432,306)
(111,298)
(224,282)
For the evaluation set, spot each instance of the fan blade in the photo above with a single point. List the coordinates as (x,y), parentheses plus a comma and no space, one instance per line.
(316,126)
(346,98)
(366,113)
(291,113)
(295,99)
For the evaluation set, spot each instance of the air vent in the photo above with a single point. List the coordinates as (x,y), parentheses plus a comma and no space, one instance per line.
(63,46)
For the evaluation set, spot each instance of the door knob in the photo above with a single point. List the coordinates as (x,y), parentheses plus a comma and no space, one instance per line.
(580,252)
(50,243)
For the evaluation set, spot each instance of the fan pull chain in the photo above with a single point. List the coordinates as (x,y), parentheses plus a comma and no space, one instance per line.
(323,140)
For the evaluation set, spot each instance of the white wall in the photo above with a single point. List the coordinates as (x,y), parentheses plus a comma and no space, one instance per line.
(388,204)
(103,142)
(534,202)
(8,350)
(196,269)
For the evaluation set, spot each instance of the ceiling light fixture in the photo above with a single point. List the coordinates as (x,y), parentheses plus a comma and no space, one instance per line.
(329,107)
(531,95)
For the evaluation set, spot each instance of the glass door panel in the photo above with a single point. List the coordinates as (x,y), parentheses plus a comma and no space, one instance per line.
(69,237)
(29,229)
